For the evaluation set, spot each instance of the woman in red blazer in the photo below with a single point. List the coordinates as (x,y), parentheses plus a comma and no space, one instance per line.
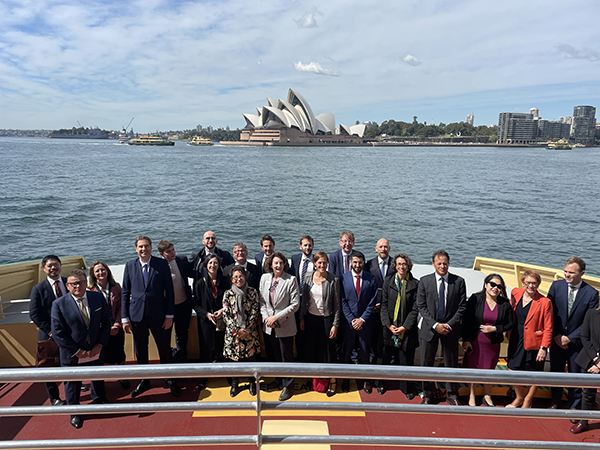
(531,334)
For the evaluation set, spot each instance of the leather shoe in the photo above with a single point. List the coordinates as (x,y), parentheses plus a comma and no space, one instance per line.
(85,387)
(174,388)
(453,401)
(252,388)
(410,396)
(553,406)
(426,401)
(367,387)
(285,394)
(346,385)
(234,390)
(56,402)
(579,428)
(76,421)
(125,384)
(381,390)
(142,387)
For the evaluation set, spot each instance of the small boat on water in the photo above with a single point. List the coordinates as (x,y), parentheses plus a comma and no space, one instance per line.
(559,145)
(150,140)
(199,140)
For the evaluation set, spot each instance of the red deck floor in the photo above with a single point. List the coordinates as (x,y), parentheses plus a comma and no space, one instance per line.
(184,424)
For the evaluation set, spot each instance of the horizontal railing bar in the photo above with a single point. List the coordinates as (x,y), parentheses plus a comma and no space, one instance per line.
(292,439)
(4,313)
(142,408)
(194,370)
(9,302)
(131,442)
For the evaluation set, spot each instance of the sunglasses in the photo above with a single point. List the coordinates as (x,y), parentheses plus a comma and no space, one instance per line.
(495,285)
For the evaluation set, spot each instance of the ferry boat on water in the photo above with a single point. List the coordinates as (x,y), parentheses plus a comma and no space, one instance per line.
(437,423)
(150,140)
(562,144)
(199,140)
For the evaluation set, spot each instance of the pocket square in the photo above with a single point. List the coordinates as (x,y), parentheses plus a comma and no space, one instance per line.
(99,309)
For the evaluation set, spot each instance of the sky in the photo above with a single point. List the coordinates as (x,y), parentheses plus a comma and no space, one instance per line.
(172,65)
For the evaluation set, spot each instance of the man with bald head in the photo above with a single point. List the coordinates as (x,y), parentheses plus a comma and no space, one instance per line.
(210,246)
(380,267)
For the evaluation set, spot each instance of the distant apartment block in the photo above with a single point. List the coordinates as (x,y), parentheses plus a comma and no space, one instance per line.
(470,119)
(517,128)
(584,124)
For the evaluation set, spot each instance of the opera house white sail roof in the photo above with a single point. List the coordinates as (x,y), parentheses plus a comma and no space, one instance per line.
(297,113)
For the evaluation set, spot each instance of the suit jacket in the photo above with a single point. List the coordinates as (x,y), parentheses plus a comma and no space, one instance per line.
(473,318)
(115,303)
(359,307)
(590,339)
(285,304)
(204,302)
(258,259)
(332,303)
(70,331)
(427,304)
(186,271)
(253,274)
(570,324)
(199,256)
(155,300)
(40,305)
(538,324)
(295,268)
(336,263)
(372,266)
(388,306)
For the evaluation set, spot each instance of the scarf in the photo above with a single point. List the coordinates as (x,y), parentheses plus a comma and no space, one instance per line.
(401,299)
(240,297)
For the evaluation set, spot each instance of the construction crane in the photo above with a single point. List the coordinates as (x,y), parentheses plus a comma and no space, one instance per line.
(125,128)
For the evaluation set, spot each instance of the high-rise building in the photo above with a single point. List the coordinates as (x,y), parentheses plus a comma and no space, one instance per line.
(584,124)
(470,119)
(535,112)
(553,129)
(517,128)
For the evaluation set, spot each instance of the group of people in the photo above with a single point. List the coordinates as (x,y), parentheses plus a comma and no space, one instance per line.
(329,308)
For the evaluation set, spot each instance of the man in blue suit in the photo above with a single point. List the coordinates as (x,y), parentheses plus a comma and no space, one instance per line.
(42,296)
(339,261)
(81,324)
(147,305)
(571,299)
(267,245)
(302,263)
(359,293)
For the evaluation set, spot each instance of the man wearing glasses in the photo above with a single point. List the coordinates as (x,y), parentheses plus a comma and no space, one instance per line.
(253,272)
(81,324)
(210,246)
(339,261)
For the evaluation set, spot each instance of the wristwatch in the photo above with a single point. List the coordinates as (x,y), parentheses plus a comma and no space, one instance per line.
(543,348)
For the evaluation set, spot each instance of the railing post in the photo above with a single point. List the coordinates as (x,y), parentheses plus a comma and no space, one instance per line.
(258,410)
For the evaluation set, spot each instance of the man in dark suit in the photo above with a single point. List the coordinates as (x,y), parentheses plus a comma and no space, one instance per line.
(81,324)
(210,246)
(148,306)
(42,296)
(181,271)
(253,272)
(441,301)
(571,299)
(359,293)
(339,261)
(380,267)
(267,244)
(302,263)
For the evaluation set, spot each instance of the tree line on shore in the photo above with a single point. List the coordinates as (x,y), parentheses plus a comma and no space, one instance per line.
(424,130)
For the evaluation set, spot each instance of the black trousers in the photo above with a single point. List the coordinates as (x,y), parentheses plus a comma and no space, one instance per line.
(559,358)
(283,348)
(73,388)
(399,357)
(319,348)
(450,352)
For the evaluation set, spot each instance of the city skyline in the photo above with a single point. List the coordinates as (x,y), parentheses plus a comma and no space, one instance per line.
(173,65)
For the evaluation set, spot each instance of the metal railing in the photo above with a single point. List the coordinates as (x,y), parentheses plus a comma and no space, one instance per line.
(261,370)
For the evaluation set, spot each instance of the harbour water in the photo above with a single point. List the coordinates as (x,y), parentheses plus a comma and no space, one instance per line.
(93,198)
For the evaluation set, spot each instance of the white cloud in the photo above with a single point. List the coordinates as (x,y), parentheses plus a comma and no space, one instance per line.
(584,53)
(411,60)
(308,20)
(314,67)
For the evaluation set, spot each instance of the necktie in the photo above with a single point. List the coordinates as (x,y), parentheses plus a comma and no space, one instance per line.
(145,272)
(571,299)
(304,267)
(58,290)
(441,301)
(357,286)
(346,266)
(383,269)
(84,313)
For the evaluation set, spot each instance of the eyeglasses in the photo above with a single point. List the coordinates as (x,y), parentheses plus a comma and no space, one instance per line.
(495,285)
(531,283)
(76,283)
(211,238)
(239,251)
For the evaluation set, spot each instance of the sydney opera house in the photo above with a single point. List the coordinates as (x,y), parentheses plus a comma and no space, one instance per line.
(292,122)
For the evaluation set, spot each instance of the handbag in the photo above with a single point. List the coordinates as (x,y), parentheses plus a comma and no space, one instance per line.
(320,384)
(48,354)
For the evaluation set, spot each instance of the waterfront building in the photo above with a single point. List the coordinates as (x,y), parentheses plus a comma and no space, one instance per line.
(292,122)
(470,119)
(535,112)
(517,128)
(552,129)
(584,124)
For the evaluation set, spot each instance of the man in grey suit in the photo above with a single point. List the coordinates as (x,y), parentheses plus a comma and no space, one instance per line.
(441,301)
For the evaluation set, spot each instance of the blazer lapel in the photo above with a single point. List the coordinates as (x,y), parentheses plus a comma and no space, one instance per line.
(535,305)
